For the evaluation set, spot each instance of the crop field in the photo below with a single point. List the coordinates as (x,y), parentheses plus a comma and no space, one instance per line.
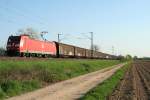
(132,82)
(136,83)
(18,76)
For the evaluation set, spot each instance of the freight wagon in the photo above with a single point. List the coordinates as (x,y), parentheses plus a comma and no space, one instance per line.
(65,50)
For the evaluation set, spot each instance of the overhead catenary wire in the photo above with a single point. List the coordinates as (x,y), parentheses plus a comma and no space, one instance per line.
(22,9)
(10,21)
(71,36)
(27,17)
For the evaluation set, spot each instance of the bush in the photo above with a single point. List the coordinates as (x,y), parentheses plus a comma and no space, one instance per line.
(13,87)
(2,51)
(2,94)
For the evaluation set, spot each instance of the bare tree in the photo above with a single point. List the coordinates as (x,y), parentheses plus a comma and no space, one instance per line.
(128,57)
(135,57)
(2,51)
(96,48)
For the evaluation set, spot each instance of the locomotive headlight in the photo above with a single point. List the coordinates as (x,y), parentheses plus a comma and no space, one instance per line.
(17,45)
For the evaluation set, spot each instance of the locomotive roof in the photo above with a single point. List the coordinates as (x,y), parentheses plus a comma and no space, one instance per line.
(30,37)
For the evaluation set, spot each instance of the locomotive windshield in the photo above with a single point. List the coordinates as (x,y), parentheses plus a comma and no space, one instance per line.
(14,39)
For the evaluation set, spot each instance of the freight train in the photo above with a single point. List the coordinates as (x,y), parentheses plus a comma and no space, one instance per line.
(24,45)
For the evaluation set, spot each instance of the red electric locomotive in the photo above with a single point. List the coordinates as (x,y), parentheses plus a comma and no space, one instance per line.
(23,45)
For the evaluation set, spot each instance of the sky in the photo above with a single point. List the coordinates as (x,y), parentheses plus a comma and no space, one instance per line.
(122,24)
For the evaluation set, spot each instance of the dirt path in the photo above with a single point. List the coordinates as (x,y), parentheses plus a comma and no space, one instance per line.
(135,85)
(70,89)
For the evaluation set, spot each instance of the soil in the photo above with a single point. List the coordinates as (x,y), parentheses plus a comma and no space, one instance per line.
(135,84)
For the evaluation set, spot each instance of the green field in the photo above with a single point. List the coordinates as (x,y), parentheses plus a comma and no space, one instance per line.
(104,89)
(17,77)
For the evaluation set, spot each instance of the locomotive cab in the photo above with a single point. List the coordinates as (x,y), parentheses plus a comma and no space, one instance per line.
(13,45)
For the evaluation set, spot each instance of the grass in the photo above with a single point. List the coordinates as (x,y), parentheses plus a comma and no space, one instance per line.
(106,88)
(18,77)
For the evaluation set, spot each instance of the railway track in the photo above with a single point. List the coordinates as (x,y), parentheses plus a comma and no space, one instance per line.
(23,58)
(135,84)
(34,58)
(40,58)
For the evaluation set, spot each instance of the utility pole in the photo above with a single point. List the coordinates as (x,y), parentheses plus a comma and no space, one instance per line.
(59,37)
(91,44)
(91,39)
(112,50)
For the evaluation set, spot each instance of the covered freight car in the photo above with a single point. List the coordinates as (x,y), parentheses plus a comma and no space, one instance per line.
(88,53)
(80,52)
(65,50)
(23,45)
